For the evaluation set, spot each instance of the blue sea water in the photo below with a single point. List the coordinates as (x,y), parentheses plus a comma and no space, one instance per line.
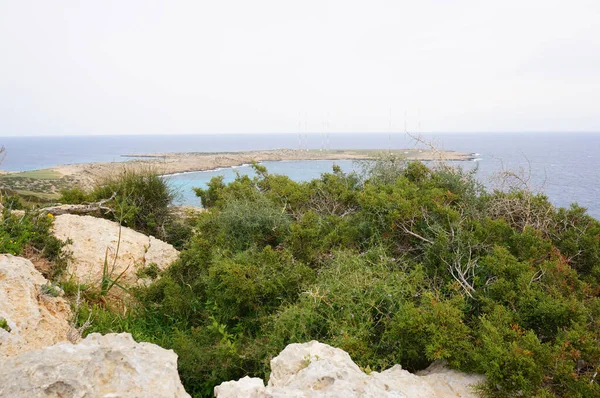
(564,165)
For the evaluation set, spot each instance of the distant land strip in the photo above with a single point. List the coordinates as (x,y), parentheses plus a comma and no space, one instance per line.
(51,180)
(203,161)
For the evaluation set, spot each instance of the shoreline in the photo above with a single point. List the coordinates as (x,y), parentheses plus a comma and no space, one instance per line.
(472,159)
(85,174)
(185,162)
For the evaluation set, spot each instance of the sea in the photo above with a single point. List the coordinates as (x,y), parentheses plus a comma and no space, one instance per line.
(563,166)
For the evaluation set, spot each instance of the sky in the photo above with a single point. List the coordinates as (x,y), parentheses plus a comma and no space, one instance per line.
(194,67)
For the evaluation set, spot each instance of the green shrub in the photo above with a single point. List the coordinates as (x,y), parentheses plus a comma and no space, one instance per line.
(350,306)
(179,232)
(429,329)
(149,271)
(212,195)
(140,199)
(179,296)
(13,202)
(512,358)
(74,196)
(385,169)
(30,231)
(243,223)
(251,284)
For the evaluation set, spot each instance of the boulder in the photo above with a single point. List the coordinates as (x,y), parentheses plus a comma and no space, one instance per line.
(113,365)
(32,316)
(318,370)
(248,387)
(95,239)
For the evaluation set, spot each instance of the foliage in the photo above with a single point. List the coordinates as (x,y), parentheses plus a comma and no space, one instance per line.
(149,271)
(140,199)
(74,195)
(402,264)
(243,223)
(13,202)
(50,289)
(31,231)
(4,324)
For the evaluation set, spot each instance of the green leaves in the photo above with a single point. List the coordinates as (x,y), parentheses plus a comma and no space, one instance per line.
(404,264)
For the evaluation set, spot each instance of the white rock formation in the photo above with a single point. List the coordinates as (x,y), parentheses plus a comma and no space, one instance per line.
(248,387)
(35,319)
(318,370)
(113,365)
(94,237)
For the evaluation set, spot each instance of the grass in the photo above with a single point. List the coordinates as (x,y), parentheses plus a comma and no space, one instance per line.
(46,174)
(35,185)
(40,195)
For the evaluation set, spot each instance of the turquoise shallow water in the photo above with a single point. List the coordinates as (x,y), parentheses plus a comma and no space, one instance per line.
(297,170)
(565,165)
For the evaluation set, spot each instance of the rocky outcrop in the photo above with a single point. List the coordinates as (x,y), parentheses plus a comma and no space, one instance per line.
(32,316)
(94,239)
(318,370)
(113,365)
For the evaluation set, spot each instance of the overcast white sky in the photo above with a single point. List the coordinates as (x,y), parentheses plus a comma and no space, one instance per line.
(110,67)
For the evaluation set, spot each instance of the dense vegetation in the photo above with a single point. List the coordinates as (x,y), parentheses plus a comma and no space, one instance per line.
(403,264)
(399,264)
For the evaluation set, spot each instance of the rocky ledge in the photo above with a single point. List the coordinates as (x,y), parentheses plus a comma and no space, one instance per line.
(113,365)
(318,370)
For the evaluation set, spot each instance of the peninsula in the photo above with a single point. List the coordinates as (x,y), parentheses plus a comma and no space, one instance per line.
(47,183)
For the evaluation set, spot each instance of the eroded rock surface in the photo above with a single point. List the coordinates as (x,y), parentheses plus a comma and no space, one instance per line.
(33,319)
(319,370)
(94,239)
(113,365)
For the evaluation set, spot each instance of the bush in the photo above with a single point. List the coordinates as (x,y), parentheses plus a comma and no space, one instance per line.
(32,232)
(250,285)
(13,202)
(74,196)
(407,264)
(350,306)
(140,199)
(243,223)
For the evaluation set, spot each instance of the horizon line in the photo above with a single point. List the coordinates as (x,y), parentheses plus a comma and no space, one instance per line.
(302,133)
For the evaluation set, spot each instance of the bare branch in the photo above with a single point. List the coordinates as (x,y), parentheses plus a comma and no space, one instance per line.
(408,231)
(88,208)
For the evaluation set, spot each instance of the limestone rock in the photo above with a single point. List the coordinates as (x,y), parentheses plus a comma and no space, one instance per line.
(113,365)
(250,387)
(318,370)
(94,239)
(35,319)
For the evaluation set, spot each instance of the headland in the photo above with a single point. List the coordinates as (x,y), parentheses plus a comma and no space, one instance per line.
(47,183)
